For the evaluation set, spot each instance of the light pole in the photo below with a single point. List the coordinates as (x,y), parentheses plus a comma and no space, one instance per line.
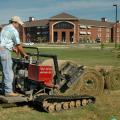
(115,5)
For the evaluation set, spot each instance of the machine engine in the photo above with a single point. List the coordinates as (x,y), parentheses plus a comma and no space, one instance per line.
(32,76)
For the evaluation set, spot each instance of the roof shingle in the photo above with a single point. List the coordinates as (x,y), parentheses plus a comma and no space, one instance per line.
(95,23)
(64,16)
(36,23)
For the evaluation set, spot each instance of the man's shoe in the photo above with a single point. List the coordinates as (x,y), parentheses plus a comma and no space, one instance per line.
(12,94)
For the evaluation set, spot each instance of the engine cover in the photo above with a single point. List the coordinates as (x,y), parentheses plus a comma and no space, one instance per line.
(41,73)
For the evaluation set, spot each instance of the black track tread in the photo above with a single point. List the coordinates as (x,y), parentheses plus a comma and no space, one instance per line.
(53,98)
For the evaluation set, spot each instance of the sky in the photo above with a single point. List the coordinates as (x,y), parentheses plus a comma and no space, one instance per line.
(44,9)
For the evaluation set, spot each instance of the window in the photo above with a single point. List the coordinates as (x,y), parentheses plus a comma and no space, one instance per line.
(38,33)
(83,26)
(83,33)
(89,33)
(38,27)
(88,27)
(63,25)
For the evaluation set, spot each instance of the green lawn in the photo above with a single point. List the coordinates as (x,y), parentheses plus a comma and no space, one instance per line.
(90,57)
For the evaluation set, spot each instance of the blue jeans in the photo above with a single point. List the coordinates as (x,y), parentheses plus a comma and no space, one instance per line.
(8,75)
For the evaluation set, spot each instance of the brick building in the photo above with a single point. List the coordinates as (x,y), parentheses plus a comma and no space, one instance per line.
(65,28)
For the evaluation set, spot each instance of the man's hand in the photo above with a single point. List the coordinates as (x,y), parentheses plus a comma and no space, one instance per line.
(26,56)
(21,50)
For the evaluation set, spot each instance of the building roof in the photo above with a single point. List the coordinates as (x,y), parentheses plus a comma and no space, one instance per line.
(66,16)
(36,23)
(95,23)
(63,16)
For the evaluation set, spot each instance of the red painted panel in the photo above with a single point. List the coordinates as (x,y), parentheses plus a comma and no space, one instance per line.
(41,74)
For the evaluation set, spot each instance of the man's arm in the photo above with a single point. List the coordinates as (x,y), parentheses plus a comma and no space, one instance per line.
(18,45)
(21,50)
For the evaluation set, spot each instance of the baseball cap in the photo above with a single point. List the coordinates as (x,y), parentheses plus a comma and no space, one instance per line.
(17,19)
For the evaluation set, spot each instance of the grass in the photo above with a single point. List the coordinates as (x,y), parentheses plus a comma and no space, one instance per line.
(89,57)
(106,106)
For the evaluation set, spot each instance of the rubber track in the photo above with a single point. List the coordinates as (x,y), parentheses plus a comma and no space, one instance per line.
(59,99)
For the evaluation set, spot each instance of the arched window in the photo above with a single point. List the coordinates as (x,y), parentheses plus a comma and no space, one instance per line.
(63,25)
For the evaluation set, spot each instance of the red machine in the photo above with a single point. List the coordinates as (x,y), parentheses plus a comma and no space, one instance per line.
(42,84)
(39,73)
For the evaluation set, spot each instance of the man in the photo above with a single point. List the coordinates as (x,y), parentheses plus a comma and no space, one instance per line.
(10,41)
